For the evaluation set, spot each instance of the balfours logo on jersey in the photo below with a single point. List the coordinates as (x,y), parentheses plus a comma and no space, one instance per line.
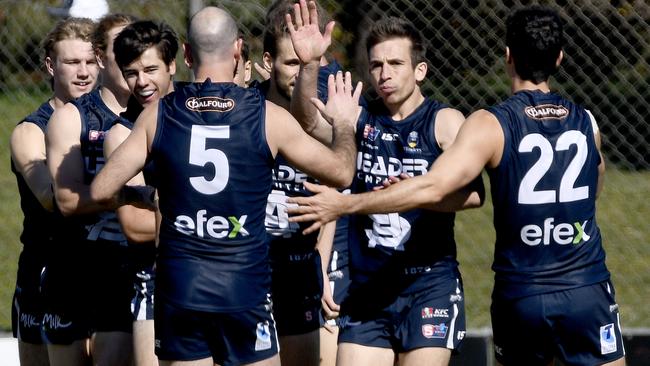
(217,227)
(209,104)
(562,233)
(546,111)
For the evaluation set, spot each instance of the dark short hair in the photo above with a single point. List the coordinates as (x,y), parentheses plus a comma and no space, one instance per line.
(276,25)
(394,27)
(535,38)
(139,36)
(108,22)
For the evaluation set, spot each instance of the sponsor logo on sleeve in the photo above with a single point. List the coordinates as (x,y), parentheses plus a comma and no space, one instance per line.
(209,104)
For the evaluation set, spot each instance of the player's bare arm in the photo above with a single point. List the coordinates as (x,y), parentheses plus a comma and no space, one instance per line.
(479,143)
(324,247)
(28,156)
(310,46)
(448,123)
(137,224)
(65,162)
(333,166)
(108,187)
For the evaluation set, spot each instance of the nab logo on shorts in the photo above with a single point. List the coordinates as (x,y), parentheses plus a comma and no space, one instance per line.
(209,104)
(434,331)
(608,339)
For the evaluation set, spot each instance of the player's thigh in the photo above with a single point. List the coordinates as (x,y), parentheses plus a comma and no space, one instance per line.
(300,349)
(201,362)
(328,345)
(427,356)
(143,343)
(32,354)
(73,354)
(351,354)
(112,348)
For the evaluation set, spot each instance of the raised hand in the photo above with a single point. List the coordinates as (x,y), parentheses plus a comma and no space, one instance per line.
(308,42)
(342,100)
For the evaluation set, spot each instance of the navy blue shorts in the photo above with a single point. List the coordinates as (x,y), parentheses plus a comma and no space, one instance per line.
(430,317)
(230,338)
(142,303)
(338,274)
(28,303)
(578,326)
(88,291)
(296,288)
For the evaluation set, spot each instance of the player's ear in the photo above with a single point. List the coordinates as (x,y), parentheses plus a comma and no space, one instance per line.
(559,59)
(420,71)
(172,68)
(508,55)
(49,65)
(248,71)
(267,60)
(238,46)
(187,55)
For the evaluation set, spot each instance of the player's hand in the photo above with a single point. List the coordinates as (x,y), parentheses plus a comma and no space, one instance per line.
(323,207)
(138,196)
(342,100)
(264,73)
(330,308)
(308,42)
(391,180)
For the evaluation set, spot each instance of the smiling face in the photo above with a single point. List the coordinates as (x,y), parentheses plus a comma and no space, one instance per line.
(73,67)
(392,72)
(148,77)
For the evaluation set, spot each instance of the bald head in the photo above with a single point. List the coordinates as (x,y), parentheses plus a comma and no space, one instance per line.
(211,34)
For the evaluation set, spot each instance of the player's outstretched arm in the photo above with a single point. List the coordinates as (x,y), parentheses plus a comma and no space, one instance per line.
(310,46)
(108,188)
(138,224)
(479,143)
(333,166)
(28,155)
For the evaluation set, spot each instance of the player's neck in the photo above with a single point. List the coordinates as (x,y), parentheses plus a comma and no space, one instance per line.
(400,111)
(57,101)
(216,72)
(519,85)
(116,102)
(274,96)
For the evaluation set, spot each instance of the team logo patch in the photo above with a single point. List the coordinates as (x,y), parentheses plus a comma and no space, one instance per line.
(413,139)
(434,331)
(546,111)
(263,341)
(370,132)
(209,104)
(608,339)
(94,135)
(427,313)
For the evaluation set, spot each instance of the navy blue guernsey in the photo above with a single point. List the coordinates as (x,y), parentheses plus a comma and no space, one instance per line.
(214,167)
(96,120)
(405,241)
(544,196)
(38,223)
(286,237)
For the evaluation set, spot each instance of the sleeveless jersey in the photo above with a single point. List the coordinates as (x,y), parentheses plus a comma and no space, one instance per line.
(38,223)
(214,168)
(397,241)
(96,119)
(544,195)
(286,237)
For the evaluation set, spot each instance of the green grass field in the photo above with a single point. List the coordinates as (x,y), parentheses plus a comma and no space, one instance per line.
(623,218)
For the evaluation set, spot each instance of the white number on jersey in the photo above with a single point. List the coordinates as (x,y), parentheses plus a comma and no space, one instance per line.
(277,219)
(201,156)
(568,193)
(388,230)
